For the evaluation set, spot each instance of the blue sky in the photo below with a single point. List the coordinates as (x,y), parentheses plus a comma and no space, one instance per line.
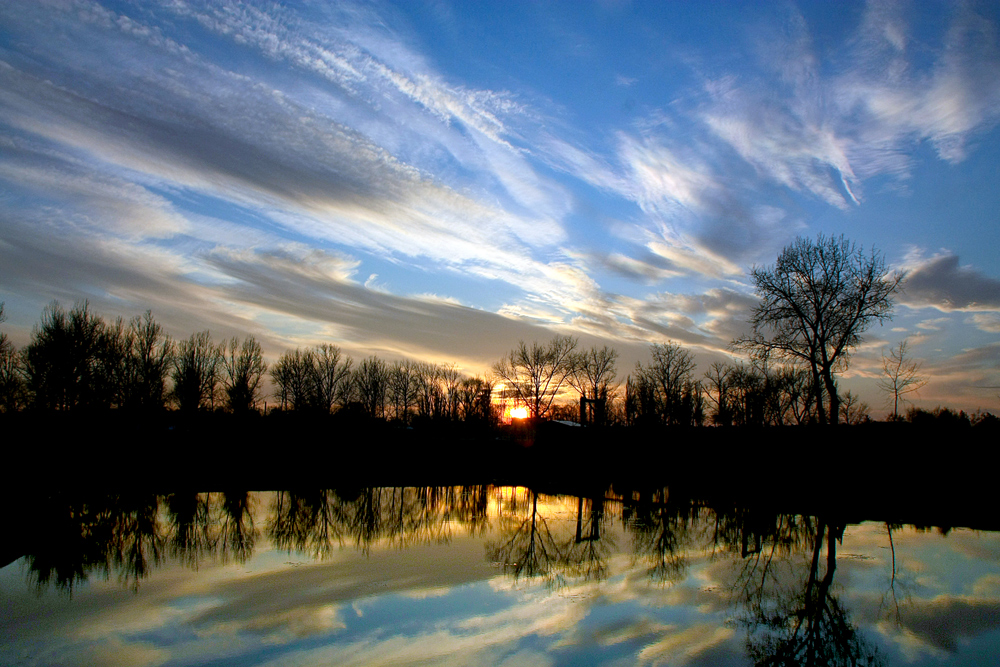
(439,180)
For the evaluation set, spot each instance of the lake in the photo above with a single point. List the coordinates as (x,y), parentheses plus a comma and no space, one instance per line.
(493,575)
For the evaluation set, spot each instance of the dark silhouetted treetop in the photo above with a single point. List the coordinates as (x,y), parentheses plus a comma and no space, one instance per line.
(815,303)
(534,375)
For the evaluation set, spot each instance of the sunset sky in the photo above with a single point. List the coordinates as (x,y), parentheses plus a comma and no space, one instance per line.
(438,180)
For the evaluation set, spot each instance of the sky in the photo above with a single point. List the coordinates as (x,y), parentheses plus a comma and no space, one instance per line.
(437,181)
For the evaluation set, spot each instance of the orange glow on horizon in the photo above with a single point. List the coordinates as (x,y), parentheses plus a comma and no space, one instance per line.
(519,413)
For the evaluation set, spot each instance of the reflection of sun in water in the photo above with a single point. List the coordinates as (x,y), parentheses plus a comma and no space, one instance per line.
(519,413)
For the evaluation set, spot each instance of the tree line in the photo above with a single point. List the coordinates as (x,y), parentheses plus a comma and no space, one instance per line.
(815,303)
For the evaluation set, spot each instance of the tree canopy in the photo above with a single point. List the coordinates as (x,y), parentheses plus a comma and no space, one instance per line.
(815,302)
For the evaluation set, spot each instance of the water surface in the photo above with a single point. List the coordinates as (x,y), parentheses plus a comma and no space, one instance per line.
(486,575)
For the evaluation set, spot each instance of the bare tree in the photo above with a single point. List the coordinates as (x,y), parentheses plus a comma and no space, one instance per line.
(61,361)
(371,386)
(243,372)
(534,375)
(593,373)
(665,390)
(11,373)
(816,301)
(476,400)
(148,363)
(403,389)
(451,381)
(719,376)
(900,376)
(431,398)
(294,377)
(853,410)
(196,372)
(333,376)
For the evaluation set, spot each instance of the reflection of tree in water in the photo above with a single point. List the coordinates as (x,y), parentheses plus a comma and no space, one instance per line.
(586,554)
(309,522)
(889,606)
(316,522)
(662,531)
(130,534)
(761,539)
(802,622)
(190,527)
(527,545)
(237,534)
(116,533)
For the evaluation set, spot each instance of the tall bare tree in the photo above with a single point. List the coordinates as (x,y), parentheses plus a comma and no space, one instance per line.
(294,377)
(371,386)
(403,389)
(12,393)
(593,373)
(534,375)
(149,361)
(815,303)
(243,372)
(196,372)
(61,361)
(853,410)
(900,375)
(665,391)
(333,376)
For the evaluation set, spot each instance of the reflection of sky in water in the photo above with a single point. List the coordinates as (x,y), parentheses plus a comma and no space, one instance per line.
(444,600)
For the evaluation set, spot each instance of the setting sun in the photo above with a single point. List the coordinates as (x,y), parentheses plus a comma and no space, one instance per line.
(519,413)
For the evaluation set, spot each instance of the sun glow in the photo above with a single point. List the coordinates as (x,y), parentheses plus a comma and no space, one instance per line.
(519,413)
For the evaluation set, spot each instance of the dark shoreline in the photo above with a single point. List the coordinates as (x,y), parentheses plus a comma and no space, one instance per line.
(897,472)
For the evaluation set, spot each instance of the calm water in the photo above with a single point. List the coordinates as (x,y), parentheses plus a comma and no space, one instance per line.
(486,575)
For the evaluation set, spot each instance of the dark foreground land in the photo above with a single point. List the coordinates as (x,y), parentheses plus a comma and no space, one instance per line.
(889,472)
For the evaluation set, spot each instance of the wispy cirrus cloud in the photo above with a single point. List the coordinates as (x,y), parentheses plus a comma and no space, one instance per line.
(357,165)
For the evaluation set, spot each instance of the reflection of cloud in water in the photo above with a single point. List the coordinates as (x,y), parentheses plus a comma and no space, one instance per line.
(638,629)
(424,593)
(987,586)
(946,621)
(113,652)
(483,639)
(679,646)
(285,626)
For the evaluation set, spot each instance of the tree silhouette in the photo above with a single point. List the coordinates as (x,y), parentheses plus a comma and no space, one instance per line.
(332,376)
(150,355)
(12,394)
(853,410)
(524,546)
(371,386)
(61,361)
(196,371)
(534,375)
(243,372)
(900,376)
(808,627)
(593,375)
(664,391)
(816,301)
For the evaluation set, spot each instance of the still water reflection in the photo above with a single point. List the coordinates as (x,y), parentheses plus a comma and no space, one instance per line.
(485,575)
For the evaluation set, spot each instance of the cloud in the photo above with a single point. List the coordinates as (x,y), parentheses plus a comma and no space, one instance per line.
(679,647)
(935,324)
(988,322)
(291,158)
(823,130)
(946,621)
(940,282)
(314,287)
